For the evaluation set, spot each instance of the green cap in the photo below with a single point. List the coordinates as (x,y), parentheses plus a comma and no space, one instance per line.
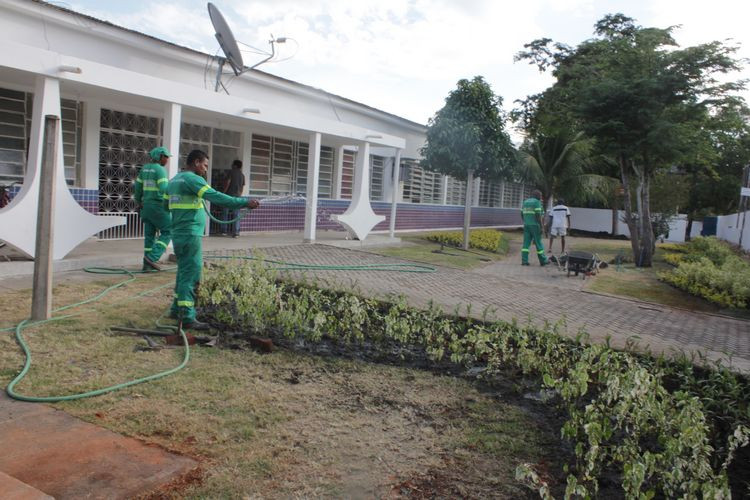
(156,153)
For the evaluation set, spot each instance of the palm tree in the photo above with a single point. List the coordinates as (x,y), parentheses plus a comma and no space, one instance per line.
(561,164)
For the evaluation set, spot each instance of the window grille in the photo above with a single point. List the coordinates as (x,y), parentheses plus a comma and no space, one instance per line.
(347,173)
(15,128)
(124,142)
(456,191)
(376,177)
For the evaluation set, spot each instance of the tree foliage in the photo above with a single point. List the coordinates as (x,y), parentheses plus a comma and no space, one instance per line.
(468,134)
(561,163)
(467,139)
(641,97)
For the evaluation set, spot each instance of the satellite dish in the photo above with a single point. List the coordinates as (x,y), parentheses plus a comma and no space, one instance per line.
(226,40)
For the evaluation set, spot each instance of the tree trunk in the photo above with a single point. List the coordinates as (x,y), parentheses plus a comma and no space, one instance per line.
(628,205)
(615,213)
(467,208)
(646,233)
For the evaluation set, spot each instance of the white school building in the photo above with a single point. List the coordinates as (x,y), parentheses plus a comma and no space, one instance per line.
(341,164)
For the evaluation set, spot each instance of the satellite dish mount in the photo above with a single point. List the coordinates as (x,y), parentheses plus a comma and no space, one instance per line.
(229,46)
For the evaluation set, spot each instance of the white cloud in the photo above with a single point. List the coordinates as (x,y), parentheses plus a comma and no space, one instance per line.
(404,56)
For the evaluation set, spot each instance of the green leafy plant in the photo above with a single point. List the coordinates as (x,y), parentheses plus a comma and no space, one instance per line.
(481,239)
(712,270)
(666,428)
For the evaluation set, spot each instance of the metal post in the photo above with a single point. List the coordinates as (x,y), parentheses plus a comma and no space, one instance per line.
(743,202)
(394,194)
(41,302)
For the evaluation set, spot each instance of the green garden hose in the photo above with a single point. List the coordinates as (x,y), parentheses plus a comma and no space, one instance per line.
(281,265)
(27,353)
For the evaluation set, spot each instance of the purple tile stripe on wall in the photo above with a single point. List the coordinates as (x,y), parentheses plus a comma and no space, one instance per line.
(291,216)
(87,198)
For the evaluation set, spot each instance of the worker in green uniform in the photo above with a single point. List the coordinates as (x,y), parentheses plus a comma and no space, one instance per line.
(149,191)
(185,195)
(532,211)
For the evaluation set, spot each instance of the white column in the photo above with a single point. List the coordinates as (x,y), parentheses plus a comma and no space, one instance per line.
(313,174)
(444,190)
(338,172)
(359,217)
(247,152)
(475,196)
(91,129)
(394,193)
(502,194)
(172,121)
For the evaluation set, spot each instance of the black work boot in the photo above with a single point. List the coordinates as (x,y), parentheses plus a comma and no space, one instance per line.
(150,263)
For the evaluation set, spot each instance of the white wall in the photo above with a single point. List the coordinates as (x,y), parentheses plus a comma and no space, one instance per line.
(598,220)
(728,228)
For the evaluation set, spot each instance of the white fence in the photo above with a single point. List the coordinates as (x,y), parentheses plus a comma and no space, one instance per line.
(131,230)
(729,227)
(599,220)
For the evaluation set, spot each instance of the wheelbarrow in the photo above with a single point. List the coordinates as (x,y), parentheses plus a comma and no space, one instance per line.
(578,262)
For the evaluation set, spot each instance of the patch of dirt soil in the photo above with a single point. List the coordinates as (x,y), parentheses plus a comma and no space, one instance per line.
(358,429)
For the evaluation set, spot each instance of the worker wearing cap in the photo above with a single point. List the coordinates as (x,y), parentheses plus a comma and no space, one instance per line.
(185,195)
(150,188)
(532,211)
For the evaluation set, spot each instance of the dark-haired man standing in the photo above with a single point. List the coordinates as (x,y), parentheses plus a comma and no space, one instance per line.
(185,195)
(233,185)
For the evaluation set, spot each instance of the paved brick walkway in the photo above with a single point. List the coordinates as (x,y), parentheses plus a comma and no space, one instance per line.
(658,328)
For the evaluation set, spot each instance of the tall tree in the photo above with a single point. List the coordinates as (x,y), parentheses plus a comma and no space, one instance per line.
(467,138)
(641,98)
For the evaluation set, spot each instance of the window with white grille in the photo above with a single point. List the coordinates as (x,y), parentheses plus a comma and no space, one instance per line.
(456,191)
(347,173)
(512,195)
(376,177)
(279,167)
(15,128)
(124,142)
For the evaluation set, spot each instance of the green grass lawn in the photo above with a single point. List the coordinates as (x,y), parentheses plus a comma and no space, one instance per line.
(416,248)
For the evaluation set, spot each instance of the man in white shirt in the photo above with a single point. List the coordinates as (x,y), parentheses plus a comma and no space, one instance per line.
(560,216)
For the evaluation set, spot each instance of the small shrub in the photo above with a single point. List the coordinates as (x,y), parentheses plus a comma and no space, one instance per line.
(712,270)
(481,239)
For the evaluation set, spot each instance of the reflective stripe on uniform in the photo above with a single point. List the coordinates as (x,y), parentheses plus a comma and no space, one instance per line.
(166,196)
(163,179)
(159,242)
(203,190)
(184,206)
(139,180)
(526,250)
(540,252)
(528,212)
(147,249)
(150,189)
(185,303)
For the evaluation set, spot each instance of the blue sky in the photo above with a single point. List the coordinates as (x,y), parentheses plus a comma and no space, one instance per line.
(404,56)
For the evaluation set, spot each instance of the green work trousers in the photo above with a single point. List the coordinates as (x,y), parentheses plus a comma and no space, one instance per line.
(189,252)
(155,218)
(532,232)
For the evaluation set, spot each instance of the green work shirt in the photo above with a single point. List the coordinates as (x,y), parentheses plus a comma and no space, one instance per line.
(531,211)
(151,184)
(185,195)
